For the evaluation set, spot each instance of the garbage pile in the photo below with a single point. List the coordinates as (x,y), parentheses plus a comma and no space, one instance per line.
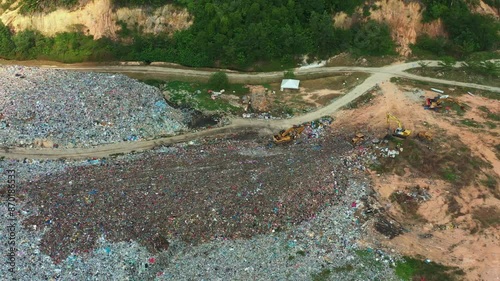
(415,194)
(317,127)
(228,210)
(78,109)
(310,130)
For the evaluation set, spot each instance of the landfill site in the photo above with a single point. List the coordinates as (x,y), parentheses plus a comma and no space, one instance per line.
(406,173)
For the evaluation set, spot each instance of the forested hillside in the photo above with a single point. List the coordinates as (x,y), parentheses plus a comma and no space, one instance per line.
(467,32)
(244,32)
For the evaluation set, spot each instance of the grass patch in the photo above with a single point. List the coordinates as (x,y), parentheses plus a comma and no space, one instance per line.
(449,174)
(410,82)
(445,158)
(493,116)
(301,253)
(327,99)
(362,100)
(490,125)
(471,123)
(364,259)
(350,60)
(453,206)
(409,201)
(153,82)
(456,171)
(489,95)
(413,269)
(195,95)
(449,89)
(484,109)
(489,115)
(368,259)
(487,216)
(271,65)
(456,74)
(333,82)
(322,275)
(459,109)
(491,183)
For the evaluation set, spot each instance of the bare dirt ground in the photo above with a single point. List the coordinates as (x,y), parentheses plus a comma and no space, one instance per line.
(452,227)
(320,97)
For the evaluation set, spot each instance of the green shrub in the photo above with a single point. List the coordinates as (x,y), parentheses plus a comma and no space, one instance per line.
(218,80)
(447,63)
(414,269)
(372,38)
(289,74)
(425,43)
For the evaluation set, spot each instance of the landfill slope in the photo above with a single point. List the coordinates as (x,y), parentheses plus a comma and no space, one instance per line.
(46,107)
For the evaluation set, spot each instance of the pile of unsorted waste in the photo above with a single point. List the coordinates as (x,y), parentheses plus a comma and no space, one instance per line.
(56,108)
(178,213)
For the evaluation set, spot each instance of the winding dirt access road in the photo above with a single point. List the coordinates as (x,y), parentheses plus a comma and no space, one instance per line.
(379,74)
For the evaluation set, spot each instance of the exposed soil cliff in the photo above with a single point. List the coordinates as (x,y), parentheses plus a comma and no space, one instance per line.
(98,18)
(405,20)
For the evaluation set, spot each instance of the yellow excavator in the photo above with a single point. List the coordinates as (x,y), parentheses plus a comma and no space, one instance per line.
(288,135)
(399,131)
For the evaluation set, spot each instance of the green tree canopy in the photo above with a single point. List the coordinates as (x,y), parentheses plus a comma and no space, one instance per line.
(6,44)
(218,80)
(373,38)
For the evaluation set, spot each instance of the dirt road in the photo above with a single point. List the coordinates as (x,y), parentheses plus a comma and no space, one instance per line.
(380,74)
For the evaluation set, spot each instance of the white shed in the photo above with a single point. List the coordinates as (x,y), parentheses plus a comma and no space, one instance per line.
(290,84)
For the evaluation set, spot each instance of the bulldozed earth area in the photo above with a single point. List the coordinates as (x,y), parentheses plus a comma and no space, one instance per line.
(442,190)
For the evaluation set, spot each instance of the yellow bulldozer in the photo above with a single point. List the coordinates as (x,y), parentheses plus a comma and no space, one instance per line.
(359,137)
(425,135)
(399,131)
(288,135)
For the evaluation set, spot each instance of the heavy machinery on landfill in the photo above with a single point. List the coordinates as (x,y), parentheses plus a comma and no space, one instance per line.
(437,102)
(425,135)
(399,131)
(359,137)
(288,135)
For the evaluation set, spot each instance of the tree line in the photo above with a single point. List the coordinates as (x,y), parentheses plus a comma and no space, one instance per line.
(236,34)
(241,33)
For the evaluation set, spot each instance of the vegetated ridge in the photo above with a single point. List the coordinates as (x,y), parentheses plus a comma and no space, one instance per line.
(243,33)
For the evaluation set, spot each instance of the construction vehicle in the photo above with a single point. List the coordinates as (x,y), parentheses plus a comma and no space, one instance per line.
(399,131)
(288,135)
(436,103)
(359,137)
(425,135)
